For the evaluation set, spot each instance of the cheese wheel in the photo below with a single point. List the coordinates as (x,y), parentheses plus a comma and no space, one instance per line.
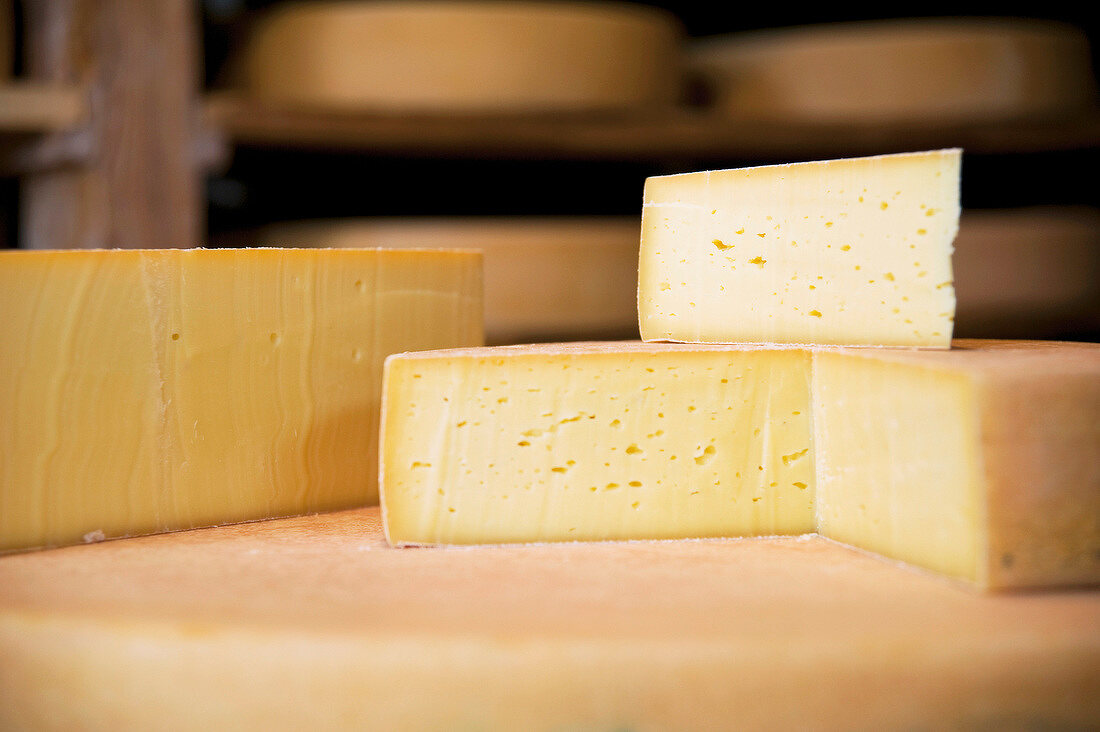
(467,56)
(908,70)
(314,623)
(1024,272)
(545,278)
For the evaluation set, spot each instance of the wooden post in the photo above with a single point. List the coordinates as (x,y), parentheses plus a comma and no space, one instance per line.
(140,183)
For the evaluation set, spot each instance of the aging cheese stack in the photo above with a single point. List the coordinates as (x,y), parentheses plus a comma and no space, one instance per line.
(146,391)
(942,458)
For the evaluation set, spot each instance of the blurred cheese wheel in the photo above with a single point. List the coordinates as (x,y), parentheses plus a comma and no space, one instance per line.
(915,70)
(545,278)
(1031,272)
(465,56)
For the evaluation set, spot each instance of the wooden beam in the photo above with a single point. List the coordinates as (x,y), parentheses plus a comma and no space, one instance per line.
(137,63)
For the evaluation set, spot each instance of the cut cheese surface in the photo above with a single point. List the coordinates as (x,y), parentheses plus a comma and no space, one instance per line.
(468,56)
(546,278)
(146,391)
(982,462)
(840,252)
(595,441)
(314,623)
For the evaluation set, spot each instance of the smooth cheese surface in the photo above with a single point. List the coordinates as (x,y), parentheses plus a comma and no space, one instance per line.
(840,252)
(146,391)
(982,462)
(595,441)
(314,623)
(470,56)
(546,278)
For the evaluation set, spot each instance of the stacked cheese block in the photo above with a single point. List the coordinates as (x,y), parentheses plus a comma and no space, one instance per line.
(839,406)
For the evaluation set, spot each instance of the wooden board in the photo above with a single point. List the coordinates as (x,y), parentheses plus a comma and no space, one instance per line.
(314,622)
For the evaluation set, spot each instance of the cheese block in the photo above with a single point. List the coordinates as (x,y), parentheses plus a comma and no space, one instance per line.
(1028,272)
(146,391)
(839,252)
(903,71)
(471,56)
(595,441)
(314,623)
(982,463)
(546,278)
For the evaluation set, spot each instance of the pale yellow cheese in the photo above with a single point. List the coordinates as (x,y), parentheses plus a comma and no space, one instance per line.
(982,462)
(314,623)
(470,56)
(546,278)
(144,391)
(595,441)
(839,252)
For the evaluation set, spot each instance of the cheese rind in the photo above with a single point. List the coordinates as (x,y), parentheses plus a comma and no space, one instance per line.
(595,441)
(982,463)
(147,391)
(839,252)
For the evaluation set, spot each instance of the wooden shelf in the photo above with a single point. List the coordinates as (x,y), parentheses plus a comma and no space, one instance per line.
(679,134)
(28,108)
(34,118)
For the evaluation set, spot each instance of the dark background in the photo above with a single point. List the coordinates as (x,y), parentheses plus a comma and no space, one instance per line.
(263,185)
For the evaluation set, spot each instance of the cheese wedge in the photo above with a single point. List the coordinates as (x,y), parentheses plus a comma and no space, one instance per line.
(839,252)
(595,441)
(982,463)
(314,623)
(146,391)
